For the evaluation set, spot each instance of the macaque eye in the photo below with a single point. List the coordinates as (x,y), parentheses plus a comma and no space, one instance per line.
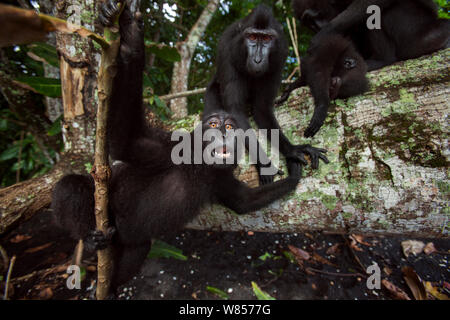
(229,127)
(267,38)
(213,125)
(349,63)
(252,37)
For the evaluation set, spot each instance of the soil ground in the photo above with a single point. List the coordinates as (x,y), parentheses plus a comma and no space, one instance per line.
(224,264)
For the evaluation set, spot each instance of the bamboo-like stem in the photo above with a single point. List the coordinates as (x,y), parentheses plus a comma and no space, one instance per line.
(294,40)
(101,171)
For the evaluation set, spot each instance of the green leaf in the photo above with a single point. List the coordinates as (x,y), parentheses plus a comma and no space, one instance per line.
(46,52)
(265,256)
(161,104)
(289,256)
(146,82)
(10,153)
(163,51)
(261,295)
(3,124)
(82,273)
(161,249)
(88,167)
(55,129)
(221,294)
(47,86)
(18,165)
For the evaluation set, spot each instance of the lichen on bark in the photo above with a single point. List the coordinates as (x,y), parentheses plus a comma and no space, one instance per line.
(389,159)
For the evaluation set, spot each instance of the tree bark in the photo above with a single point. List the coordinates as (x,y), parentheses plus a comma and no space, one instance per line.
(389,158)
(79,61)
(186,49)
(54,106)
(21,201)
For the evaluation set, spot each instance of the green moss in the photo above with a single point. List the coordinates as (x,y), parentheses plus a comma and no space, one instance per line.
(329,201)
(409,138)
(87,17)
(444,187)
(347,215)
(359,195)
(88,167)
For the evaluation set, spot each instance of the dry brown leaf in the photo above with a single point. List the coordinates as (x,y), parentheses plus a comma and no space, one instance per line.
(21,26)
(310,272)
(354,244)
(432,290)
(322,260)
(395,291)
(360,239)
(36,249)
(299,253)
(24,25)
(309,235)
(387,270)
(414,283)
(334,250)
(429,248)
(91,268)
(20,238)
(46,294)
(412,246)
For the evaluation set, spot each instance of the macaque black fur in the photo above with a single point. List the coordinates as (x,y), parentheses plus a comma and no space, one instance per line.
(332,68)
(250,59)
(409,29)
(149,195)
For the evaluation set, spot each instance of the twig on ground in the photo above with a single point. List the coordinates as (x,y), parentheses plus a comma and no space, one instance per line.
(8,277)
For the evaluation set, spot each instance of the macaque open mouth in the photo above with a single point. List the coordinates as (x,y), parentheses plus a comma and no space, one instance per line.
(222,153)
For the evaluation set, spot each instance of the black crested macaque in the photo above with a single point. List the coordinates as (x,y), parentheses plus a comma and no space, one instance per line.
(332,68)
(250,59)
(149,195)
(409,29)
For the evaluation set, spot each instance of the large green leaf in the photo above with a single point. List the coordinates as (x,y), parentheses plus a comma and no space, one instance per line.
(55,128)
(47,86)
(163,51)
(45,52)
(161,249)
(10,153)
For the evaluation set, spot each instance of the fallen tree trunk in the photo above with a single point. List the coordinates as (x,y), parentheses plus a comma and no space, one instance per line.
(389,157)
(21,201)
(388,172)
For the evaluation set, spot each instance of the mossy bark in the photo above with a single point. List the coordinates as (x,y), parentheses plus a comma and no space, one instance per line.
(389,156)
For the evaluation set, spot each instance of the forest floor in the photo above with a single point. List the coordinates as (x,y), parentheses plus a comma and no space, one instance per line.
(223,265)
